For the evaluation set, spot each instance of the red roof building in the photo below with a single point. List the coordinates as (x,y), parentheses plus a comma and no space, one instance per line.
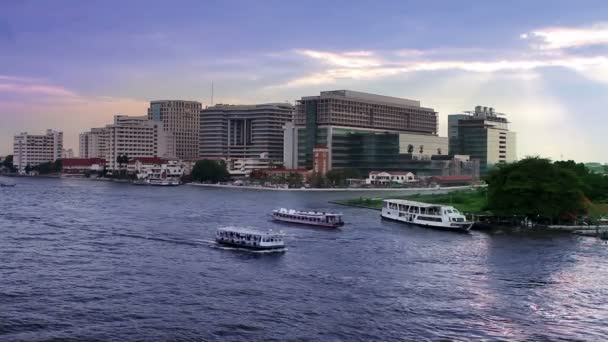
(76,166)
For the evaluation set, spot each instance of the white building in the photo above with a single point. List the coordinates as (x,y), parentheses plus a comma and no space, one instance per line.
(243,167)
(156,168)
(30,149)
(136,136)
(92,143)
(290,146)
(384,177)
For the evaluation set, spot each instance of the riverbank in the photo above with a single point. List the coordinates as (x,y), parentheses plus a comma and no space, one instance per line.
(467,200)
(413,190)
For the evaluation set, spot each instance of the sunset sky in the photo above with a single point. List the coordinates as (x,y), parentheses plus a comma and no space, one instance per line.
(72,65)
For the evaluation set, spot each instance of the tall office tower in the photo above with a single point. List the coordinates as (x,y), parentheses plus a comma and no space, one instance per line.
(181,118)
(92,144)
(244,131)
(482,134)
(362,131)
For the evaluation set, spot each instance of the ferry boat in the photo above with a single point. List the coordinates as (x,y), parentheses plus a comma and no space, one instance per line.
(425,214)
(249,238)
(312,218)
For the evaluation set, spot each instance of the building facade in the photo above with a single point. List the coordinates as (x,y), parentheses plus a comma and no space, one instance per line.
(136,136)
(361,131)
(92,144)
(32,150)
(482,134)
(182,120)
(244,131)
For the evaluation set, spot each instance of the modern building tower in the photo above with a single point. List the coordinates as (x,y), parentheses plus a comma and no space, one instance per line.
(482,134)
(180,118)
(362,131)
(244,131)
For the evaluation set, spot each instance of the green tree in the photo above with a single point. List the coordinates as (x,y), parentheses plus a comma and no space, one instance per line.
(535,187)
(210,171)
(8,163)
(28,168)
(410,148)
(294,180)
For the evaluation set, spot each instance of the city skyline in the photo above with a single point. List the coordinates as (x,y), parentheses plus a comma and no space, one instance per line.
(543,63)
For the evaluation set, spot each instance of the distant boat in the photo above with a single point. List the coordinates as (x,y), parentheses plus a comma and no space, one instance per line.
(311,218)
(426,215)
(249,238)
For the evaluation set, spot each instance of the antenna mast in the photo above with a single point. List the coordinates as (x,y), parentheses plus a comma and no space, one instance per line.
(212,93)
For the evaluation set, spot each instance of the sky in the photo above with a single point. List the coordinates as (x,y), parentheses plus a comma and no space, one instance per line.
(71,65)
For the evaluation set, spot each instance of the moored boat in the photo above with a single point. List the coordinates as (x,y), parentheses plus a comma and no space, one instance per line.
(249,238)
(312,218)
(425,215)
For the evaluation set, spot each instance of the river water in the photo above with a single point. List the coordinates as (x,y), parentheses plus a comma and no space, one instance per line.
(84,260)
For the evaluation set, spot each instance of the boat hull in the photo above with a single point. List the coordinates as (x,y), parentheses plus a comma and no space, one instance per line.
(307,223)
(465,228)
(254,248)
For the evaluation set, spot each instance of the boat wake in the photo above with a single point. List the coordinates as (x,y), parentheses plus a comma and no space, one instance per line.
(193,242)
(248,250)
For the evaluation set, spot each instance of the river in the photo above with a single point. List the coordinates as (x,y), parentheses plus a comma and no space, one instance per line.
(85,260)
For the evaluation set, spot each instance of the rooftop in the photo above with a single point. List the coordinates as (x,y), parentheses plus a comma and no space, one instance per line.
(417,204)
(247,230)
(367,97)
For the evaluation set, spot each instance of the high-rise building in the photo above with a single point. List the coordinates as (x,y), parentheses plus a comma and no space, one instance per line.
(244,131)
(482,134)
(361,131)
(92,144)
(32,150)
(136,136)
(181,118)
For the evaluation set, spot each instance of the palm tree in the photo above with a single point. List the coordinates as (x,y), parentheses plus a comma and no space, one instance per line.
(410,148)
(421,149)
(439,151)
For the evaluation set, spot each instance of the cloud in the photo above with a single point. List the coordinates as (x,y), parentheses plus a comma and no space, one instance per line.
(553,38)
(372,65)
(352,59)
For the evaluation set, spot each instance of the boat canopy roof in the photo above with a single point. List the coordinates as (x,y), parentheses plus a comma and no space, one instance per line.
(416,204)
(246,230)
(305,213)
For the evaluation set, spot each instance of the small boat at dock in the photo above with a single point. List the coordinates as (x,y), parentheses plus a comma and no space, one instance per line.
(312,218)
(426,215)
(249,238)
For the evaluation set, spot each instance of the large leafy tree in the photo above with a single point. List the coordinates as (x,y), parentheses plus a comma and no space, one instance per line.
(210,171)
(535,187)
(8,163)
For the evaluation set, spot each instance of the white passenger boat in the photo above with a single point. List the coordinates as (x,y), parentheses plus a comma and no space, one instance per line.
(425,214)
(249,238)
(312,218)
